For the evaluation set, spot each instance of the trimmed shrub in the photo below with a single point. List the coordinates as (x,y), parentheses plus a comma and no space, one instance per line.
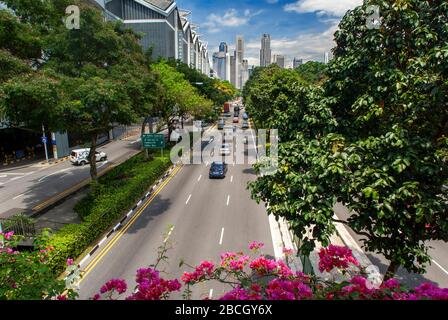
(113,194)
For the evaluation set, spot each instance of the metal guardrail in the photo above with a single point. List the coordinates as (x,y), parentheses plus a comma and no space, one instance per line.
(20,227)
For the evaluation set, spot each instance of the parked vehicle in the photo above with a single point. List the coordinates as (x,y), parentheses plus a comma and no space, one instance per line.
(221,124)
(245,125)
(245,116)
(218,170)
(81,156)
(236,120)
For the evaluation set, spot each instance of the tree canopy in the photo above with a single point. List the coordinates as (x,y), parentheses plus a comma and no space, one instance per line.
(373,137)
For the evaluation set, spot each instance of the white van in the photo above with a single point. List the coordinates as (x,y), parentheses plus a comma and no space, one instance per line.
(81,156)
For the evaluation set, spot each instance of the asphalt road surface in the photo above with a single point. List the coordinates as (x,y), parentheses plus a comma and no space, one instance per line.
(23,188)
(209,217)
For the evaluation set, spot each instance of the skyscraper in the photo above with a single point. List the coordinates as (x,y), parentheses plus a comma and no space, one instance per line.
(233,69)
(326,57)
(239,57)
(223,47)
(265,52)
(279,60)
(297,62)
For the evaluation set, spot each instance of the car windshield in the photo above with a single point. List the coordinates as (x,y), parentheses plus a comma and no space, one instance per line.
(217,166)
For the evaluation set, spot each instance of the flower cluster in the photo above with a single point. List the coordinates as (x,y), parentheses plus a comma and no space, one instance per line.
(276,281)
(234,262)
(7,235)
(254,293)
(113,285)
(152,287)
(336,257)
(255,246)
(279,289)
(205,269)
(263,266)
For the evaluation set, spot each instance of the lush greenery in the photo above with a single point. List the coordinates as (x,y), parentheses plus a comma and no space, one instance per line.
(374,136)
(28,275)
(312,72)
(215,90)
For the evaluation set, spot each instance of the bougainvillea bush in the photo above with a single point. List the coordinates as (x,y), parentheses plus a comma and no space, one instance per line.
(28,275)
(256,277)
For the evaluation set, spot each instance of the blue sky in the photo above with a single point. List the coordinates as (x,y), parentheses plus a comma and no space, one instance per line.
(298,28)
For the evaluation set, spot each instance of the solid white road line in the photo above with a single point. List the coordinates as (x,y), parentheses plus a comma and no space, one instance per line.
(228,200)
(442,268)
(210,294)
(138,140)
(188,200)
(3,176)
(222,237)
(52,174)
(103,164)
(200,177)
(65,175)
(231,179)
(17,197)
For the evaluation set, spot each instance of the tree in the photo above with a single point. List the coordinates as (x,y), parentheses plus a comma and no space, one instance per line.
(213,89)
(94,107)
(312,72)
(378,137)
(175,96)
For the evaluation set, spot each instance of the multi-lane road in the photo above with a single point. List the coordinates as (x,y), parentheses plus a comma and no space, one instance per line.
(26,187)
(208,217)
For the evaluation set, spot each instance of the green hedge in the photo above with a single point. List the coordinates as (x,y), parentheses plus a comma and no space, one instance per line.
(114,194)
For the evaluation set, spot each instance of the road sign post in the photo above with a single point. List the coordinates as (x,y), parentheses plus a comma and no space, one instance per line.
(153,141)
(44,141)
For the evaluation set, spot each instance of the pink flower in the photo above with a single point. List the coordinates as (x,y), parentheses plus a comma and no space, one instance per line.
(279,289)
(205,269)
(69,262)
(7,235)
(263,266)
(241,295)
(336,257)
(288,252)
(62,297)
(114,285)
(255,246)
(96,297)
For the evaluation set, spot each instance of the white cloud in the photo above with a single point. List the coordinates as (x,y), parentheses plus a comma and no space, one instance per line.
(323,7)
(231,18)
(309,46)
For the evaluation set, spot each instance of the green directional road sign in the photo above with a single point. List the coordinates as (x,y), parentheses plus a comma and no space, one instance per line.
(153,141)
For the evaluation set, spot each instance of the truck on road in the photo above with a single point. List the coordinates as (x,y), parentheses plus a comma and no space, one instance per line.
(227,107)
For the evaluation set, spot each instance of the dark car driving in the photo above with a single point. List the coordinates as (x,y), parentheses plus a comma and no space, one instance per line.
(218,170)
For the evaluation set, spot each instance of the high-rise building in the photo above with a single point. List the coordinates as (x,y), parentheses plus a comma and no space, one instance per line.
(164,27)
(220,64)
(265,52)
(279,59)
(297,62)
(223,47)
(239,57)
(326,57)
(233,69)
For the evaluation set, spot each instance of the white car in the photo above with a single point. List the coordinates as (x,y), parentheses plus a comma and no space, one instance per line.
(225,149)
(81,156)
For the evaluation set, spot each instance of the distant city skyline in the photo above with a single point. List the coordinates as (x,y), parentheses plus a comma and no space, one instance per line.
(298,28)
